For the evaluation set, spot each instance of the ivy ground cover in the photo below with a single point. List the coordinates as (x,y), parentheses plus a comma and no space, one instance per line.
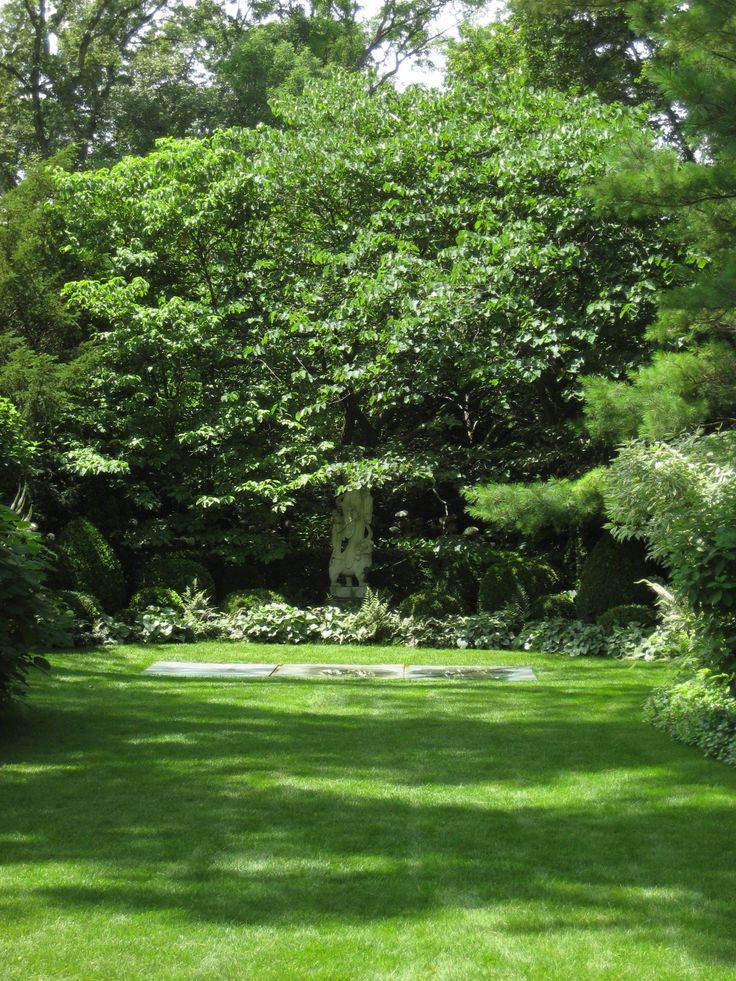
(207,828)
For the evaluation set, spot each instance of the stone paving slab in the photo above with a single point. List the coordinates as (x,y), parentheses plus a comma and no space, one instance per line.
(339,671)
(203,669)
(474,672)
(409,672)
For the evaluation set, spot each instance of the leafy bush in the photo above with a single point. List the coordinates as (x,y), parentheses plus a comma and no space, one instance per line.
(28,617)
(176,572)
(157,597)
(609,578)
(280,623)
(680,498)
(498,586)
(698,712)
(374,621)
(451,564)
(250,599)
(512,577)
(89,565)
(553,606)
(570,637)
(164,626)
(622,616)
(430,603)
(83,607)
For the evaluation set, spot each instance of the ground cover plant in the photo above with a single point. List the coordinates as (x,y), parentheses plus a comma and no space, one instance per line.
(176,828)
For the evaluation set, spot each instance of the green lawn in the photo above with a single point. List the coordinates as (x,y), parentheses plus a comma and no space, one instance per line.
(157,828)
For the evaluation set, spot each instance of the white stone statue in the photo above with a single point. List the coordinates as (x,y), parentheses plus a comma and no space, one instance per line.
(352,543)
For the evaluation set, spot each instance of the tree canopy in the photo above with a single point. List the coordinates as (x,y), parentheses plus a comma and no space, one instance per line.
(389,286)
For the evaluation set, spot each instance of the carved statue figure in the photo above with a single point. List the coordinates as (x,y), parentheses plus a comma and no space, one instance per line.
(352,543)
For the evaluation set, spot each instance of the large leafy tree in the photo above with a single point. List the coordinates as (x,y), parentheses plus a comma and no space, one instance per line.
(109,76)
(602,46)
(391,287)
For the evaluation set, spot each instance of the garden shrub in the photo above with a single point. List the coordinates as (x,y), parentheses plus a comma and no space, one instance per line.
(610,578)
(512,577)
(430,603)
(398,570)
(250,599)
(699,712)
(571,637)
(302,575)
(622,616)
(89,565)
(498,586)
(28,619)
(374,621)
(553,606)
(177,572)
(84,608)
(680,498)
(451,563)
(158,597)
(280,623)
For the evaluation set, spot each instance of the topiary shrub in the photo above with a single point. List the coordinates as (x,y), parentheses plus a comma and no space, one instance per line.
(553,606)
(176,572)
(622,616)
(89,565)
(537,577)
(159,597)
(609,578)
(250,599)
(429,603)
(498,586)
(84,608)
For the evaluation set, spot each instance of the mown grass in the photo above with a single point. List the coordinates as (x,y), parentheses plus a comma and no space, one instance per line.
(166,828)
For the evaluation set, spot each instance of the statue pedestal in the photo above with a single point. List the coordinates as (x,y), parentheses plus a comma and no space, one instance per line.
(348,592)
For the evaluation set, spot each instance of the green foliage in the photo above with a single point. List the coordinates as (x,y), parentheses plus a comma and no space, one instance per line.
(553,606)
(28,615)
(279,623)
(512,577)
(622,616)
(557,503)
(430,603)
(225,276)
(677,392)
(571,637)
(250,599)
(155,596)
(89,565)
(112,78)
(688,524)
(16,451)
(558,50)
(374,621)
(695,68)
(498,586)
(176,572)
(698,712)
(84,608)
(609,578)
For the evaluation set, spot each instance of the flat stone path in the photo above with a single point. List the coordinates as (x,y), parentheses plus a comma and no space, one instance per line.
(407,672)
